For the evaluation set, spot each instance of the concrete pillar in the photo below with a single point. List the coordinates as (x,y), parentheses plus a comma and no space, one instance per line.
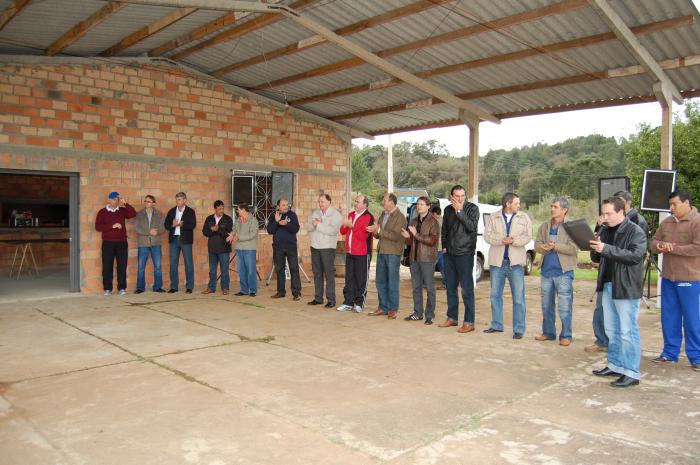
(390,167)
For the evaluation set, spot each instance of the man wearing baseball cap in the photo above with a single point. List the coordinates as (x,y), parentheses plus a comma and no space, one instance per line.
(111,222)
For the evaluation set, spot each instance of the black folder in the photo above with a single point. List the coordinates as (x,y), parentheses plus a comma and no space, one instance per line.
(580,233)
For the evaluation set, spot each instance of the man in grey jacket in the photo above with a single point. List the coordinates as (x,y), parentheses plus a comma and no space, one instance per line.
(245,239)
(324,224)
(149,227)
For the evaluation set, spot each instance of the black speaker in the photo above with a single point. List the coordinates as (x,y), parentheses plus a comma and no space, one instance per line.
(607,187)
(282,186)
(242,189)
(658,185)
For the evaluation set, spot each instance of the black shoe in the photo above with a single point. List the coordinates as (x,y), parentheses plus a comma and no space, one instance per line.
(517,336)
(160,290)
(252,294)
(491,330)
(138,291)
(296,297)
(172,291)
(624,381)
(314,302)
(329,305)
(605,372)
(188,291)
(239,293)
(413,317)
(428,322)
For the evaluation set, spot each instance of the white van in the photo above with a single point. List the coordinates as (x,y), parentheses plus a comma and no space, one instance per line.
(482,247)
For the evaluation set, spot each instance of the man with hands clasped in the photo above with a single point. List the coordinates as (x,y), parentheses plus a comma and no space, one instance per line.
(422,236)
(283,224)
(678,238)
(111,222)
(324,225)
(180,223)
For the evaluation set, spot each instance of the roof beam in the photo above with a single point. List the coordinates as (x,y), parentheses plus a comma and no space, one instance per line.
(79,30)
(209,28)
(519,55)
(676,63)
(390,68)
(640,53)
(261,21)
(12,11)
(540,111)
(306,44)
(363,54)
(501,23)
(147,31)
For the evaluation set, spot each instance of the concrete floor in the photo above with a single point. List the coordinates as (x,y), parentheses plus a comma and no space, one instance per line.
(51,283)
(178,379)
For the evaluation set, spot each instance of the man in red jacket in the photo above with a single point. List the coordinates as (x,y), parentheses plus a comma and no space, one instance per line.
(358,255)
(111,222)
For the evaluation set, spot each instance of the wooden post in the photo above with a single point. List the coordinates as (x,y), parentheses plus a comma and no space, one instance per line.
(473,175)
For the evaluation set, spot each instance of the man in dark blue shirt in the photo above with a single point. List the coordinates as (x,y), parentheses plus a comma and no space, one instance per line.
(283,224)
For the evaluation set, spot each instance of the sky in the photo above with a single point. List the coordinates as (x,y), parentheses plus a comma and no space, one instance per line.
(617,122)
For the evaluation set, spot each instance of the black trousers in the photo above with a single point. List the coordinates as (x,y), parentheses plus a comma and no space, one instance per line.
(282,257)
(356,271)
(110,251)
(322,266)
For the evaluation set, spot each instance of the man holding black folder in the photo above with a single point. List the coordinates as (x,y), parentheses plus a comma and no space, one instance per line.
(620,250)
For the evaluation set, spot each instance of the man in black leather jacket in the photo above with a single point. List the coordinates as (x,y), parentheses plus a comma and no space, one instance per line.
(459,228)
(620,250)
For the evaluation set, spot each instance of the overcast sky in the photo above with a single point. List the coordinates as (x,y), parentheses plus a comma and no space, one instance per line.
(517,132)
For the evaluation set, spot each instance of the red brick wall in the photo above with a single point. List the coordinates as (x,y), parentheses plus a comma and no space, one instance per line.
(33,187)
(157,131)
(46,254)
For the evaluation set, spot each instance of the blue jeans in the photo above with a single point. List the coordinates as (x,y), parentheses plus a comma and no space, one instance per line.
(219,260)
(175,247)
(622,328)
(156,256)
(458,272)
(247,272)
(441,266)
(388,281)
(557,290)
(601,339)
(680,315)
(516,279)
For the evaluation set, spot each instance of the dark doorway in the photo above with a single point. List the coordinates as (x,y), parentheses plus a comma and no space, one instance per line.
(39,234)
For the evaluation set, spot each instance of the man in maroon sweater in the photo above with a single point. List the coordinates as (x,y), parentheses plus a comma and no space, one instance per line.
(111,222)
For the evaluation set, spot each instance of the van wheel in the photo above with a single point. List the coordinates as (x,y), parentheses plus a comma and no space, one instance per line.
(478,268)
(529,260)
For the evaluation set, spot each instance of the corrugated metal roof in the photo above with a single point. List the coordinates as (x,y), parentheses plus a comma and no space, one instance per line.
(28,33)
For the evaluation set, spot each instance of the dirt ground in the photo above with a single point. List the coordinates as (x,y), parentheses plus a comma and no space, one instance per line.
(214,380)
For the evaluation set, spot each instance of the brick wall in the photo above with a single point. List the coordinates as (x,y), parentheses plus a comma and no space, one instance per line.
(153,130)
(33,187)
(52,254)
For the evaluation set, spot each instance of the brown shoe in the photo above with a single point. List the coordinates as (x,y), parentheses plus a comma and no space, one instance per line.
(542,337)
(377,312)
(564,342)
(595,348)
(466,328)
(225,292)
(208,291)
(277,296)
(447,324)
(392,314)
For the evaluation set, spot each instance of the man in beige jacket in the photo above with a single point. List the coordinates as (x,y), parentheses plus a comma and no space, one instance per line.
(559,256)
(507,232)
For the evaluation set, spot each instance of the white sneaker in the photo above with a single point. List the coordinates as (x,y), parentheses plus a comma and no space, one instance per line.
(357,309)
(108,293)
(122,291)
(344,308)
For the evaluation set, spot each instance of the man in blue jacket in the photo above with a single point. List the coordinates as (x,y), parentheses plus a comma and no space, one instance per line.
(283,224)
